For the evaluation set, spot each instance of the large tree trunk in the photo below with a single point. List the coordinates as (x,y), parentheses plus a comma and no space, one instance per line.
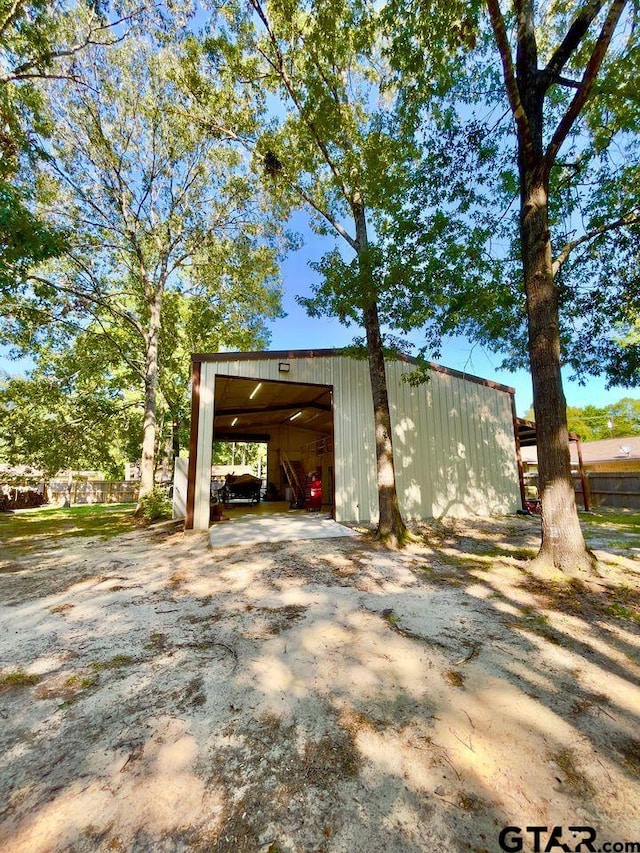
(563,546)
(147,466)
(391,527)
(390,523)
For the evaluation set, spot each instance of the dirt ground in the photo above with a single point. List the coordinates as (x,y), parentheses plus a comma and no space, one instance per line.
(326,695)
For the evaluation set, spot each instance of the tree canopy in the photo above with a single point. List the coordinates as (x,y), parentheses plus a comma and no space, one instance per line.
(540,129)
(338,147)
(39,42)
(170,248)
(582,59)
(477,164)
(593,423)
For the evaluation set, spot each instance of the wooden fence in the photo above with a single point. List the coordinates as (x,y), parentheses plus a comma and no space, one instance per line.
(607,489)
(94,491)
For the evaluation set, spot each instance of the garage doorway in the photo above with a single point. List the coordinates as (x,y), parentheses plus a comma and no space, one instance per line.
(295,422)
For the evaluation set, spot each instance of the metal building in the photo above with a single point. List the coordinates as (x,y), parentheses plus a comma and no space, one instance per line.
(453,436)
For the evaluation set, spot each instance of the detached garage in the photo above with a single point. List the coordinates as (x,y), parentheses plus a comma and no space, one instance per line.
(453,436)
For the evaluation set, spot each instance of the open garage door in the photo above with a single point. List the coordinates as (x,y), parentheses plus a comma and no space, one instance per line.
(295,420)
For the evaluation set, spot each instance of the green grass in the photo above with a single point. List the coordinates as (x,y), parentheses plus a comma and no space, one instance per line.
(622,611)
(116,662)
(20,532)
(622,520)
(81,682)
(13,680)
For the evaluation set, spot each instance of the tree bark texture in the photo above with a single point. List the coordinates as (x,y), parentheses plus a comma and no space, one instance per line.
(147,466)
(526,86)
(390,523)
(563,545)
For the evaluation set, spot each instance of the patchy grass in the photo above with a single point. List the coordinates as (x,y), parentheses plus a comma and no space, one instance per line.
(575,597)
(22,532)
(454,678)
(445,570)
(116,662)
(15,680)
(629,749)
(621,520)
(621,544)
(574,780)
(623,611)
(66,688)
(81,682)
(157,642)
(502,552)
(390,616)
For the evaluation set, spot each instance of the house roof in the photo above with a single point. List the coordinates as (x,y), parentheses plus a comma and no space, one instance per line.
(605,450)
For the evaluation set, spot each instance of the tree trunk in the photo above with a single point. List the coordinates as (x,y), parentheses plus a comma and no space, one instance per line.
(563,546)
(390,523)
(175,438)
(391,527)
(147,466)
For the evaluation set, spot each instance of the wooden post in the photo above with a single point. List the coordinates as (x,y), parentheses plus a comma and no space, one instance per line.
(193,443)
(586,498)
(516,435)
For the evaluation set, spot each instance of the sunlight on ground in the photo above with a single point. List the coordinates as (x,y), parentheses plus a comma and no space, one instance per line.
(323,695)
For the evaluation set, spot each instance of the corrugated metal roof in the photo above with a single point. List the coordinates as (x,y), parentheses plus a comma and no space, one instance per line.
(328,353)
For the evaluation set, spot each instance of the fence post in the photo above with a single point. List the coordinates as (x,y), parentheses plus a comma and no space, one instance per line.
(586,497)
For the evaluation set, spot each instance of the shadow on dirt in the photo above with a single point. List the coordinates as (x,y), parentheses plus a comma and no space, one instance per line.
(315,697)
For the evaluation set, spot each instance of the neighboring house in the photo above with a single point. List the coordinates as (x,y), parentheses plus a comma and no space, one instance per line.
(612,454)
(611,471)
(607,455)
(453,435)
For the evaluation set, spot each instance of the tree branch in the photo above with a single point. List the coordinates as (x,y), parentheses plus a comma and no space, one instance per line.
(11,16)
(16,77)
(586,84)
(572,39)
(299,190)
(95,298)
(511,84)
(631,218)
(566,81)
(288,83)
(24,71)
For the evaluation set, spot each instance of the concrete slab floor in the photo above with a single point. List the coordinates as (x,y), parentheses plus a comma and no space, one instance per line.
(249,526)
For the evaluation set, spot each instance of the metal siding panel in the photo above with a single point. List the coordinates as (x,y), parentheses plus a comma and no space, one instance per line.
(451,446)
(205,441)
(442,449)
(453,438)
(356,497)
(478,444)
(408,407)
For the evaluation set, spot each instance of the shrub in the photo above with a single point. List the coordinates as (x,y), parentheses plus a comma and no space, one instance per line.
(155,505)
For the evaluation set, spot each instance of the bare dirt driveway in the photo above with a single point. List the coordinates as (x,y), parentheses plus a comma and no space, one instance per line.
(327,695)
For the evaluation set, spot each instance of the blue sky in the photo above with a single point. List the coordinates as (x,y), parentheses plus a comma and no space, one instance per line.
(298,331)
